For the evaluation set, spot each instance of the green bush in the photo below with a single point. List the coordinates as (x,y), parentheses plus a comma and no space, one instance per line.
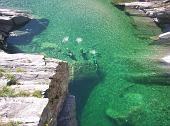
(7,92)
(37,94)
(10,124)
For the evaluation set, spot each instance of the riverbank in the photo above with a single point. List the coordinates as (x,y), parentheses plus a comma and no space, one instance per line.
(152,12)
(158,11)
(33,90)
(11,20)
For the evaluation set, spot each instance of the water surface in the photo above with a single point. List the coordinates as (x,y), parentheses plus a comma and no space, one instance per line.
(118,90)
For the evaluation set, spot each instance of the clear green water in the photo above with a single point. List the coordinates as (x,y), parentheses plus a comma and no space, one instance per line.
(126,91)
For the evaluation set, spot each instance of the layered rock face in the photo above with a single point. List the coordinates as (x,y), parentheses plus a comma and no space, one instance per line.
(158,11)
(33,90)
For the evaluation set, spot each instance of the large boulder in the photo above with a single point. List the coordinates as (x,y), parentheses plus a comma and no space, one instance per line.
(11,20)
(38,94)
(20,20)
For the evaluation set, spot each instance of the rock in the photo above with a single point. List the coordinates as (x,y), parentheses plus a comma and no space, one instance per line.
(33,73)
(136,4)
(11,20)
(154,9)
(166,1)
(159,11)
(129,114)
(58,89)
(23,110)
(20,20)
(165,36)
(82,70)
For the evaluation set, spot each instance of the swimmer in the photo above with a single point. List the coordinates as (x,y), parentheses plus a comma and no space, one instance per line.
(71,54)
(83,54)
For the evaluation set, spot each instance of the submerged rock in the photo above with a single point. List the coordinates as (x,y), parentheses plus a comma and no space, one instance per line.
(127,114)
(85,69)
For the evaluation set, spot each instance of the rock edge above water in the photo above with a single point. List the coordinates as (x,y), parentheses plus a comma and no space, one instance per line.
(11,20)
(32,73)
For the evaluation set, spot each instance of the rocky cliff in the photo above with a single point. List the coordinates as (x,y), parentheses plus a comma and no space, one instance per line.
(11,20)
(33,90)
(157,11)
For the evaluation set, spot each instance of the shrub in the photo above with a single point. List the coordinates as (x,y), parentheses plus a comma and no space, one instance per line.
(37,94)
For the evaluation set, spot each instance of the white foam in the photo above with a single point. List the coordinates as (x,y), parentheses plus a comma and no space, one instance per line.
(93,52)
(79,40)
(65,39)
(165,35)
(166,59)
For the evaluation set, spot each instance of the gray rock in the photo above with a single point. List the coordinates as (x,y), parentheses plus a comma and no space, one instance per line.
(165,36)
(22,109)
(137,4)
(20,20)
(11,20)
(57,92)
(33,73)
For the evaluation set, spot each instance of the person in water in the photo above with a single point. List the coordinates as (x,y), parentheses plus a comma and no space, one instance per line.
(71,54)
(83,54)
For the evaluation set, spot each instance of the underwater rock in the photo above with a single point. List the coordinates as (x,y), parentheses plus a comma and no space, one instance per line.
(48,46)
(162,78)
(128,114)
(85,69)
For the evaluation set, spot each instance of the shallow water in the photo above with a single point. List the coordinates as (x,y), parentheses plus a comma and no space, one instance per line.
(118,90)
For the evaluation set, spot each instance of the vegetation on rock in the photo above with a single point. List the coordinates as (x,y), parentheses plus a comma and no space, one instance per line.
(37,94)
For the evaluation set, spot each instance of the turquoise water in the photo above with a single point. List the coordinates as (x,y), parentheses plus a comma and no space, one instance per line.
(115,79)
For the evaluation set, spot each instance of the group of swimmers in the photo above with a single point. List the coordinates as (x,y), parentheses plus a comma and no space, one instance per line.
(84,55)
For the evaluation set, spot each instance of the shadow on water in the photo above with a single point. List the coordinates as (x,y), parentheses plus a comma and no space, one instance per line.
(160,42)
(11,49)
(162,79)
(25,34)
(146,74)
(81,89)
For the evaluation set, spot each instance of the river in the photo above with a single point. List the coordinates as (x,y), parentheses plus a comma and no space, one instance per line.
(121,93)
